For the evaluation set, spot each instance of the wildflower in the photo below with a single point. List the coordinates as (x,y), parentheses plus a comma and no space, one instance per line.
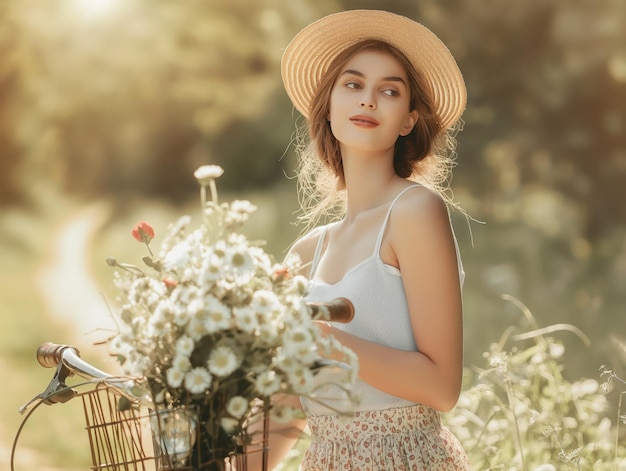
(181,363)
(298,340)
(240,260)
(229,425)
(267,383)
(242,206)
(170,282)
(175,377)
(301,380)
(264,301)
(222,361)
(184,345)
(196,328)
(143,232)
(198,380)
(217,315)
(237,406)
(245,319)
(210,269)
(287,362)
(207,173)
(280,273)
(178,257)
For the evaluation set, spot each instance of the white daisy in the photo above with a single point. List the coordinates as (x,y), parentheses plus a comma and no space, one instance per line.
(182,317)
(229,425)
(287,363)
(175,377)
(237,406)
(181,363)
(268,334)
(242,206)
(178,257)
(196,329)
(185,345)
(267,383)
(198,380)
(245,319)
(222,361)
(158,325)
(217,315)
(210,269)
(264,301)
(298,341)
(301,380)
(240,261)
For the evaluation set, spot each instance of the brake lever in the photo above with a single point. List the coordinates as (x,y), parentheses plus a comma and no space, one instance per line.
(57,391)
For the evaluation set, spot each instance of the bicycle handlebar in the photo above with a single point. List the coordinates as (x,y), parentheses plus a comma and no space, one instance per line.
(339,310)
(50,355)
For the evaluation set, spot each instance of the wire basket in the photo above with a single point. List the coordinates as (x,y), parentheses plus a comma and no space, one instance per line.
(132,440)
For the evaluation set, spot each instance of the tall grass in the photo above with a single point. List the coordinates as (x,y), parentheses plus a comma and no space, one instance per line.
(519,411)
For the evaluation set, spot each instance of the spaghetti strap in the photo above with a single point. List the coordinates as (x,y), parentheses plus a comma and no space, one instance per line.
(318,251)
(381,233)
(384,226)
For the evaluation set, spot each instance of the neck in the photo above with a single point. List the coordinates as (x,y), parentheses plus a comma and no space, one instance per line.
(369,180)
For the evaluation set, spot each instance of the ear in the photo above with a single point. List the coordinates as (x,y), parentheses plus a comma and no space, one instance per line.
(409,123)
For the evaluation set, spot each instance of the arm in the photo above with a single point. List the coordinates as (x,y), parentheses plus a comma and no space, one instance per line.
(419,241)
(282,437)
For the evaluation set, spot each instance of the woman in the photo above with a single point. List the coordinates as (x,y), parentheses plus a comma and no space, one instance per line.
(381,95)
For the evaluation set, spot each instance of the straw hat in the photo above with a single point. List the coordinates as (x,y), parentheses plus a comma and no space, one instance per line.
(310,53)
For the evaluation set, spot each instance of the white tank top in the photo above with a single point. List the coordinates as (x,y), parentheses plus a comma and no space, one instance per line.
(374,288)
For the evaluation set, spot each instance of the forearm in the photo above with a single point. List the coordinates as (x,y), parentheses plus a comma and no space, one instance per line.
(410,375)
(282,437)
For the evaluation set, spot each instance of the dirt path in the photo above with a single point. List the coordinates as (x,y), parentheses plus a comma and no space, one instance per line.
(72,296)
(66,282)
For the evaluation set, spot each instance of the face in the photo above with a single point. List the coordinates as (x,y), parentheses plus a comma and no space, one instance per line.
(369,103)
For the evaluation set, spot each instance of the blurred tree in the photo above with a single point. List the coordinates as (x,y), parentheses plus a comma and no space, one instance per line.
(129,97)
(10,188)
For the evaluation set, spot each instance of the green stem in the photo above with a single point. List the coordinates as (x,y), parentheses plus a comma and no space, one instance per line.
(213,191)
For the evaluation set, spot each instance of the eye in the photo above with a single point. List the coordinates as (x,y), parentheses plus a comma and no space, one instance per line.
(391,92)
(353,85)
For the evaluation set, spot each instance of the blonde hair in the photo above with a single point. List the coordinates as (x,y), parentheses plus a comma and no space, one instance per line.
(426,155)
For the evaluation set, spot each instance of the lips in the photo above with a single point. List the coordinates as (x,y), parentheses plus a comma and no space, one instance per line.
(364,120)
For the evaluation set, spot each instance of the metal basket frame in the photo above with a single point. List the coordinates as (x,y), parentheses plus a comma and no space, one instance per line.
(122,439)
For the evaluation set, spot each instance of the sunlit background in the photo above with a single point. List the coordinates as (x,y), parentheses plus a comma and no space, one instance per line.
(107,107)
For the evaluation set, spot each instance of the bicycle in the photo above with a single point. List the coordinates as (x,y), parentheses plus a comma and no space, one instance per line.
(131,438)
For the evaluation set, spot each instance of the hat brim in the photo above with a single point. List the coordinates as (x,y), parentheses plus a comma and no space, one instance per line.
(310,53)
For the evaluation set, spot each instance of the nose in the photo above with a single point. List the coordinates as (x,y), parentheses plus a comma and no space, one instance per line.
(368,101)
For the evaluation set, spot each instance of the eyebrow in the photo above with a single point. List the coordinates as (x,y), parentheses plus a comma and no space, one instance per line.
(391,78)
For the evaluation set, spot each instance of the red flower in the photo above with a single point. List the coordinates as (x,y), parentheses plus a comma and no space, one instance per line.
(143,232)
(170,283)
(281,273)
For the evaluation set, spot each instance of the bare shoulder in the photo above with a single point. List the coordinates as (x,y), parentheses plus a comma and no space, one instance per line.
(420,220)
(420,205)
(305,246)
(421,242)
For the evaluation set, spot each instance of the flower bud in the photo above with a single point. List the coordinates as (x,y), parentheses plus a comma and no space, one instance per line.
(205,173)
(143,232)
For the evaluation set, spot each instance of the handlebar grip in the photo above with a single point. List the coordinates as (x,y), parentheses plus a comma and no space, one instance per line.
(49,354)
(340,310)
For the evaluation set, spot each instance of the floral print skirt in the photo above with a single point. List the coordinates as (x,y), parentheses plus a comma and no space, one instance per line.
(402,439)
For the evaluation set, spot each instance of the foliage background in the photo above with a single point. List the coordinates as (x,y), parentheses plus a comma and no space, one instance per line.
(107,106)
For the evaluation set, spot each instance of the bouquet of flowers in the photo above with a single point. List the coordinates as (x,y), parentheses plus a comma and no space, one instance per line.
(215,328)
